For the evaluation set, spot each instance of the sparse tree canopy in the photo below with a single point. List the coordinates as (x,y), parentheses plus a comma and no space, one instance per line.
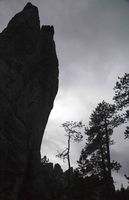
(73,133)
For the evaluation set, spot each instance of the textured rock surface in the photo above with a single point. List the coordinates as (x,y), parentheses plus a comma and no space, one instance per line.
(28,86)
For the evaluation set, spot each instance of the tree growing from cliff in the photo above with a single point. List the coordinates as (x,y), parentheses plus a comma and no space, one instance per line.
(73,133)
(122,97)
(95,157)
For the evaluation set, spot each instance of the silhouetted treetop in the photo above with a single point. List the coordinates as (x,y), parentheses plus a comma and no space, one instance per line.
(122,91)
(121,98)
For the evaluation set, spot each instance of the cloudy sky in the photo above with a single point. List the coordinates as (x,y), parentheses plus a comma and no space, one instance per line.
(92,42)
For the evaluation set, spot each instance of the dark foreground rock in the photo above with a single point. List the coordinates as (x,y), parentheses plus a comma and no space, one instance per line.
(28,86)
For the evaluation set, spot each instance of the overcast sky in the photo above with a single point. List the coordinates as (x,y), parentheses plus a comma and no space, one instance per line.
(92,41)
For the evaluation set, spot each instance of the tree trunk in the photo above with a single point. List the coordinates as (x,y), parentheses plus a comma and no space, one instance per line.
(69,173)
(108,150)
(110,186)
(103,163)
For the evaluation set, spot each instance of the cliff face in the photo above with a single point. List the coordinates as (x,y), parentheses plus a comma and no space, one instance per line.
(28,86)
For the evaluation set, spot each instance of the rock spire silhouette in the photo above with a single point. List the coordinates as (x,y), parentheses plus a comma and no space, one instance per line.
(28,86)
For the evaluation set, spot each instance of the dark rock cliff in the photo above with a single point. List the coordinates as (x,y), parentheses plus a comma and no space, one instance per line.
(28,86)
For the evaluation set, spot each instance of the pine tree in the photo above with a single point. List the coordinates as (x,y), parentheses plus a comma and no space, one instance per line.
(95,158)
(121,97)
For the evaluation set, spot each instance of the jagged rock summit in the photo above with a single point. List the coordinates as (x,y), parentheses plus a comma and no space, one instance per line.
(28,86)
